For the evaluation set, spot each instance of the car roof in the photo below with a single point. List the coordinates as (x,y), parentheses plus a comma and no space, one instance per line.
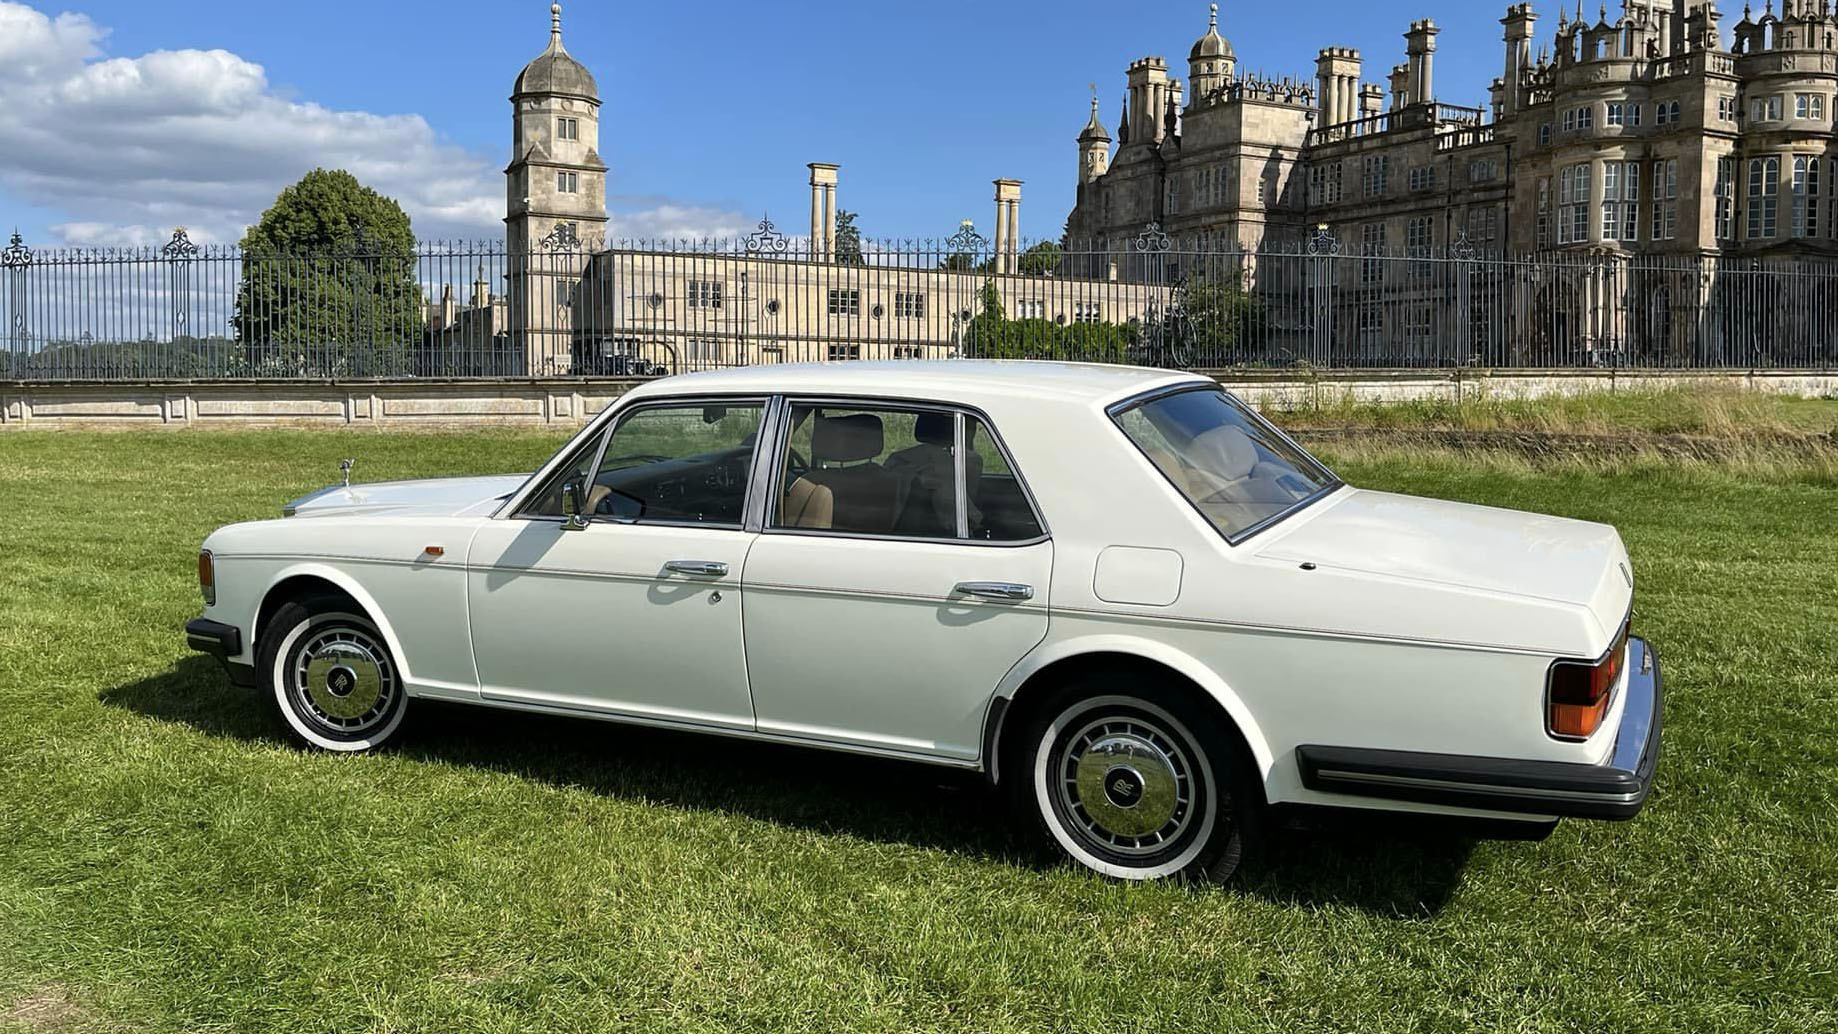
(968,381)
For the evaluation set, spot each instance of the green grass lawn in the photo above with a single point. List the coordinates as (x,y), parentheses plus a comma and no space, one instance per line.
(167,864)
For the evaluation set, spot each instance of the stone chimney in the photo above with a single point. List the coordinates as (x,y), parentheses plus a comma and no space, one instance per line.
(1008,225)
(1371,100)
(823,211)
(1337,72)
(1148,79)
(1420,46)
(1400,87)
(1518,22)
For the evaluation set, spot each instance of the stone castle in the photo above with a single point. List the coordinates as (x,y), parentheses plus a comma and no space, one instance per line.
(1637,135)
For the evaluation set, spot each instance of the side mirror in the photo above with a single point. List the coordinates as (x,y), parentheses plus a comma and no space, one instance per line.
(574,493)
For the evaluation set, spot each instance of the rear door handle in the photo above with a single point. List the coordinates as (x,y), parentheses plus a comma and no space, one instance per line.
(702,568)
(1012,591)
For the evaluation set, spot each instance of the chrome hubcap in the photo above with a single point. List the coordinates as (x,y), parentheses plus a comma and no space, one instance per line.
(344,680)
(1128,784)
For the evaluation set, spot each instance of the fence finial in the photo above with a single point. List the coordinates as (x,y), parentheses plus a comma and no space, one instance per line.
(16,255)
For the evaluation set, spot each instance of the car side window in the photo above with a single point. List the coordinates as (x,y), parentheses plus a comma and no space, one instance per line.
(895,472)
(681,464)
(997,505)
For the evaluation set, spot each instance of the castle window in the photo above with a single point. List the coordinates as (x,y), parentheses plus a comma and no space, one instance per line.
(1171,195)
(703,355)
(1087,312)
(1809,106)
(909,306)
(1544,135)
(1483,224)
(1423,177)
(1633,114)
(568,182)
(839,353)
(1764,197)
(1665,200)
(1765,109)
(845,303)
(1544,213)
(1620,201)
(567,129)
(1377,171)
(1805,196)
(1573,204)
(1617,114)
(1726,198)
(704,294)
(1726,109)
(1672,112)
(1372,244)
(1585,117)
(1419,238)
(1570,120)
(1484,170)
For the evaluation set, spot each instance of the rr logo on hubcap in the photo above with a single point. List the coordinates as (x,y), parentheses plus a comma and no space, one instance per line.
(1123,787)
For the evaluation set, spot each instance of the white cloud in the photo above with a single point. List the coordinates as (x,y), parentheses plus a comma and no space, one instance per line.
(131,147)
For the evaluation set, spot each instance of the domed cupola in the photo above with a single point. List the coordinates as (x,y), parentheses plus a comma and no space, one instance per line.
(554,73)
(1212,63)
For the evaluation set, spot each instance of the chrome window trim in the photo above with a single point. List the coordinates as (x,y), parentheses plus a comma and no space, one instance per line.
(1116,410)
(781,453)
(618,416)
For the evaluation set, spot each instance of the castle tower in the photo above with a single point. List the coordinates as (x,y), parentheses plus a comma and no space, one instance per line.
(1211,64)
(1094,148)
(555,199)
(556,175)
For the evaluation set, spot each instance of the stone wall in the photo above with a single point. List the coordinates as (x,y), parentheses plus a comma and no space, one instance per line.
(561,404)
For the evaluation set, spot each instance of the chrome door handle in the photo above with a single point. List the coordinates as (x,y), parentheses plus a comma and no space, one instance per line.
(995,590)
(705,568)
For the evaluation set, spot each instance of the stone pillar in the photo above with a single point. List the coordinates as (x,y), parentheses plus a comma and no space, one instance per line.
(823,211)
(1008,219)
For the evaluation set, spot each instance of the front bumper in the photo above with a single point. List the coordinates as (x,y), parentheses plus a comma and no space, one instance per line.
(222,642)
(1615,789)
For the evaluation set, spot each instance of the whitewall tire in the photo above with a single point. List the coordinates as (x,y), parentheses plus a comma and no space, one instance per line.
(332,677)
(1134,784)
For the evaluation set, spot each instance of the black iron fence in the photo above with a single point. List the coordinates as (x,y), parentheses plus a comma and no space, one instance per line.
(565,307)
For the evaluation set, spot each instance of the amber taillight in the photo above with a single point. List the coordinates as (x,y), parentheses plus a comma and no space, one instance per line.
(207,578)
(1580,692)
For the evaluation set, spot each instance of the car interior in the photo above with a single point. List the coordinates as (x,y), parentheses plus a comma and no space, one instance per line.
(850,482)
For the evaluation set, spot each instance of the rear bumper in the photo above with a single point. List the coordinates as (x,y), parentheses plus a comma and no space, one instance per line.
(222,642)
(1616,789)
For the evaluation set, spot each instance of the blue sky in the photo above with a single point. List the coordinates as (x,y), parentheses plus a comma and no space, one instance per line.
(120,118)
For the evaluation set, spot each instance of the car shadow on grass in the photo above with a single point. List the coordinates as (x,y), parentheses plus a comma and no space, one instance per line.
(1405,874)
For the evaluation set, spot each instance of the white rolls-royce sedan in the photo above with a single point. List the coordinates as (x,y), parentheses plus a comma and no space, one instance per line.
(1117,592)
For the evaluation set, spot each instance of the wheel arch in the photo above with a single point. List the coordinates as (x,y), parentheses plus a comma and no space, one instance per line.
(302,580)
(1052,663)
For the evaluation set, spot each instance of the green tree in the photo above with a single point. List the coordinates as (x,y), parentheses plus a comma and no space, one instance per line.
(848,239)
(328,284)
(1224,320)
(992,335)
(1040,260)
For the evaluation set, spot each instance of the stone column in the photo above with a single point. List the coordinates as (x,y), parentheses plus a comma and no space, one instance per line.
(1008,219)
(823,211)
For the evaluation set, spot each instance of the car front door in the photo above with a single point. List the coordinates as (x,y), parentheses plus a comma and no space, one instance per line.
(635,610)
(901,572)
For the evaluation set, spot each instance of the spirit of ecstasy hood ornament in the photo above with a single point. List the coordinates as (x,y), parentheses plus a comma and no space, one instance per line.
(344,470)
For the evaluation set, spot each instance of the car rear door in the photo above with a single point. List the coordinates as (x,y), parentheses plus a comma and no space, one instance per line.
(883,604)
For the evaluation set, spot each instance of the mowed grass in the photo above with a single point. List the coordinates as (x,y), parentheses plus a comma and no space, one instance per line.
(1708,409)
(168,864)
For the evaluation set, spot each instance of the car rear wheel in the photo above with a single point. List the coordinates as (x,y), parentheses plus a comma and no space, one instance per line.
(1135,784)
(331,676)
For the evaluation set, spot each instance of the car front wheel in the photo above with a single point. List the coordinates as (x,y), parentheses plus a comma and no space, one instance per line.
(1135,785)
(332,676)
